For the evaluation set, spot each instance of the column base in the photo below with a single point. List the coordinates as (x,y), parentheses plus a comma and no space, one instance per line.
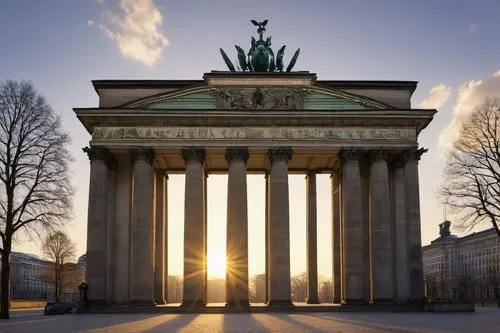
(97,302)
(279,302)
(312,301)
(354,301)
(160,302)
(237,303)
(336,300)
(142,302)
(383,301)
(193,304)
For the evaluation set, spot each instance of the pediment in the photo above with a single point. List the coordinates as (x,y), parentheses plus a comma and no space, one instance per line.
(257,98)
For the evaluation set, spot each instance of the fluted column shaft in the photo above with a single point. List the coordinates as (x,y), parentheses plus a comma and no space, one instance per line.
(353,274)
(111,267)
(336,238)
(279,228)
(160,236)
(237,229)
(380,231)
(312,239)
(194,228)
(97,227)
(412,200)
(401,246)
(266,232)
(142,230)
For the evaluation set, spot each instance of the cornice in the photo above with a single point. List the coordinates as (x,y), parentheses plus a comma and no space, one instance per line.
(415,118)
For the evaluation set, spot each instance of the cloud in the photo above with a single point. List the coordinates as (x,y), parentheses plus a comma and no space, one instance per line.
(473,27)
(437,97)
(136,31)
(470,95)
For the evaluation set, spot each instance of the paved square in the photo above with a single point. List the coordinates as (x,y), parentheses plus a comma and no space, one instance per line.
(485,320)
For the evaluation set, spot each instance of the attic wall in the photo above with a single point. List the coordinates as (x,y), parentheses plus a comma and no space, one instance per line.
(116,97)
(400,99)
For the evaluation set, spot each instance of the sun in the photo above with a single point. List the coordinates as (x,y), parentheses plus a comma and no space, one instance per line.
(217,265)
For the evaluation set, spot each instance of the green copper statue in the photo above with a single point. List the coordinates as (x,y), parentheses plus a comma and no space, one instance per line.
(260,57)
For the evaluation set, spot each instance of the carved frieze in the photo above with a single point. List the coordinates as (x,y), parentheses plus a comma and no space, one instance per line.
(259,98)
(248,133)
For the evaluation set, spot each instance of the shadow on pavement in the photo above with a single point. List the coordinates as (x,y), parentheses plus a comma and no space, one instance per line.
(237,322)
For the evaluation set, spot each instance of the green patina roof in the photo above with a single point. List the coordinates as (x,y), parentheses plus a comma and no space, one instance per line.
(196,101)
(204,100)
(321,101)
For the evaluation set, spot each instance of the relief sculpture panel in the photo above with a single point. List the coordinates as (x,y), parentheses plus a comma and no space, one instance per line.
(249,133)
(259,98)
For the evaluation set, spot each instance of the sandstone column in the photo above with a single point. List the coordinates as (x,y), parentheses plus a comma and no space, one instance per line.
(412,200)
(194,228)
(160,237)
(266,227)
(353,273)
(380,230)
(205,240)
(97,227)
(165,251)
(401,246)
(336,238)
(279,228)
(110,210)
(142,230)
(312,239)
(237,229)
(123,217)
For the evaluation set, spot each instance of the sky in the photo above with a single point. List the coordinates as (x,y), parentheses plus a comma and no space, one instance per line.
(449,46)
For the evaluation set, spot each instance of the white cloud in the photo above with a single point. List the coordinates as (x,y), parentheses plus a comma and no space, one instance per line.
(438,95)
(473,27)
(470,95)
(136,31)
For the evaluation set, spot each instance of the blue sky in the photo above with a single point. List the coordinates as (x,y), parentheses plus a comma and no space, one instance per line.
(451,46)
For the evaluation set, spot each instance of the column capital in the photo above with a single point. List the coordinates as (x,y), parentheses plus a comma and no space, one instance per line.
(237,153)
(379,154)
(414,153)
(311,172)
(411,154)
(143,154)
(100,154)
(196,154)
(347,155)
(280,154)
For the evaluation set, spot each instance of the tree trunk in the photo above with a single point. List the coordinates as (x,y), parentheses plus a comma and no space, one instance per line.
(56,280)
(5,287)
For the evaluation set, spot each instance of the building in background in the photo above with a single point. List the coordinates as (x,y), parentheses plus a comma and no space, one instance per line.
(28,277)
(463,268)
(31,278)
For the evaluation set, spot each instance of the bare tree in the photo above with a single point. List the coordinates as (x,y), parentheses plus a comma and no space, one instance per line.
(59,248)
(35,188)
(325,290)
(299,287)
(175,284)
(472,174)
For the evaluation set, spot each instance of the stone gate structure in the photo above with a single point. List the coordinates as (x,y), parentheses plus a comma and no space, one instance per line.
(363,133)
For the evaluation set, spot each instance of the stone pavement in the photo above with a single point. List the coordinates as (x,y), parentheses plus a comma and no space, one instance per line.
(485,320)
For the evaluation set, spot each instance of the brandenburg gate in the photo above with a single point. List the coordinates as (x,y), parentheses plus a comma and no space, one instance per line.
(257,118)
